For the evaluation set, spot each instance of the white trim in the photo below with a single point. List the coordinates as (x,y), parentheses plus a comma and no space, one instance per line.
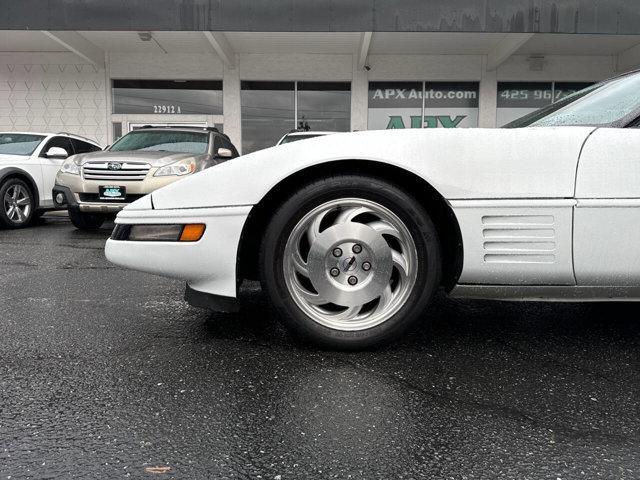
(76,43)
(608,203)
(514,202)
(506,47)
(628,59)
(295,104)
(222,47)
(363,48)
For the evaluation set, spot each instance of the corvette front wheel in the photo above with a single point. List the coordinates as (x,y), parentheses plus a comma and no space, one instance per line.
(350,261)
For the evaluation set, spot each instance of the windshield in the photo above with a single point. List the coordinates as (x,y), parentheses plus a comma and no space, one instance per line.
(19,143)
(602,104)
(295,138)
(163,141)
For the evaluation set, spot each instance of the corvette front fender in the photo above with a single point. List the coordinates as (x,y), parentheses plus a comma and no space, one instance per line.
(458,163)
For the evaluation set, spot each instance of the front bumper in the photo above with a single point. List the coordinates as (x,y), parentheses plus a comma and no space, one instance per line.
(72,201)
(208,265)
(82,194)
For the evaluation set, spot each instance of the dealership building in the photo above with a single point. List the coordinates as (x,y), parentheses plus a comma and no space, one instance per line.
(260,68)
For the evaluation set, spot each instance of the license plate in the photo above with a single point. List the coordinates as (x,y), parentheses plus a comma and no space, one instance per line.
(110,192)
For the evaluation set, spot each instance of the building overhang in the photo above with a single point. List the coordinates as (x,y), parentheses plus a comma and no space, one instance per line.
(494,16)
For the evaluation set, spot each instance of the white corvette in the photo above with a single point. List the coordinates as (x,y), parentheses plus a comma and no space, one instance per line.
(351,234)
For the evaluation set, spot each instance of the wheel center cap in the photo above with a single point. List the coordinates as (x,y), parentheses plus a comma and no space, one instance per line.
(369,284)
(349,264)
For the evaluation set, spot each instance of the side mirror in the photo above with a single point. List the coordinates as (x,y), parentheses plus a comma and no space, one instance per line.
(56,152)
(224,153)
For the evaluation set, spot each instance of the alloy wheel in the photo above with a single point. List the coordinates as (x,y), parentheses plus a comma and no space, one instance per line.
(17,203)
(350,264)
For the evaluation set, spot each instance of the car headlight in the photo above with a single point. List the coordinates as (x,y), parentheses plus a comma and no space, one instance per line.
(182,167)
(70,167)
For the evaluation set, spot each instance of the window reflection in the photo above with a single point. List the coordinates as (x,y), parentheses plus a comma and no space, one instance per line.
(167,97)
(324,106)
(268,110)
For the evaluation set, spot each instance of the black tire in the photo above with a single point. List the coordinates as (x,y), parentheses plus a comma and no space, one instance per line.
(86,221)
(415,218)
(15,222)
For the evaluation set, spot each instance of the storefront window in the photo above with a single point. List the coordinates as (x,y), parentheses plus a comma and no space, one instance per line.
(324,106)
(451,104)
(270,109)
(167,97)
(517,99)
(563,89)
(268,112)
(422,105)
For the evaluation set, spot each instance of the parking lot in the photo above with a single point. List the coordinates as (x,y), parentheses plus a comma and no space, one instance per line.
(106,373)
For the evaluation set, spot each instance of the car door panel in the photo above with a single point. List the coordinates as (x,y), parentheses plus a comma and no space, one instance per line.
(50,166)
(607,214)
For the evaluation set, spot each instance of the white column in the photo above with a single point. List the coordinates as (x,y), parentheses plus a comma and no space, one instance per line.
(231,105)
(488,96)
(108,92)
(359,95)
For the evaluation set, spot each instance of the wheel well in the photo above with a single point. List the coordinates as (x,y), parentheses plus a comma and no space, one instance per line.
(438,208)
(25,177)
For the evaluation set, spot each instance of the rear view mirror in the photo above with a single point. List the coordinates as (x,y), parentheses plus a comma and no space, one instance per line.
(56,152)
(224,153)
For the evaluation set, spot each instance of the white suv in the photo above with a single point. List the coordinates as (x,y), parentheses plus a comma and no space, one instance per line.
(29,163)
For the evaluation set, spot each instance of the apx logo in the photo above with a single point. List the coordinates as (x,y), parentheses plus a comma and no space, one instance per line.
(429,121)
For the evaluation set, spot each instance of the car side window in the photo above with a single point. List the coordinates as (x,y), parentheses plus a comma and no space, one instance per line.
(84,147)
(62,142)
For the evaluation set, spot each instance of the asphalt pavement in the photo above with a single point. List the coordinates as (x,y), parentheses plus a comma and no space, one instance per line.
(108,373)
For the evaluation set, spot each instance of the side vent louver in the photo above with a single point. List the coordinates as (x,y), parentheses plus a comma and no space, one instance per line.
(519,238)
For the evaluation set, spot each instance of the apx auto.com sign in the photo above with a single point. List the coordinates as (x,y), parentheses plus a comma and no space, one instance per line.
(423,105)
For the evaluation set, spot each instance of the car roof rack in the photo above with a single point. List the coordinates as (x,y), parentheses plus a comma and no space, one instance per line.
(207,128)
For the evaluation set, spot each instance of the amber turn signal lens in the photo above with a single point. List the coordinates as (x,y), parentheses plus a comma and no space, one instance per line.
(192,232)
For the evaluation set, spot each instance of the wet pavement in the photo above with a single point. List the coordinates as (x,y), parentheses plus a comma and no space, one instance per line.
(107,373)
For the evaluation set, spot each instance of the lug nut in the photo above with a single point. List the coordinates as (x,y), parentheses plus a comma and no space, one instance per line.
(337,252)
(366,266)
(334,272)
(352,280)
(357,248)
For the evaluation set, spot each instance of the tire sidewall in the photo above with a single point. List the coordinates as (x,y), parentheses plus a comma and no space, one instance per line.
(412,214)
(4,219)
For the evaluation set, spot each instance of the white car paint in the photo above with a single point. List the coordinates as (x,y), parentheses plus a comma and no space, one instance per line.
(208,265)
(555,189)
(40,169)
(31,165)
(458,163)
(607,217)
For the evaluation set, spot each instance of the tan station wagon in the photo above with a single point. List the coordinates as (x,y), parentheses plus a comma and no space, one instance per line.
(95,186)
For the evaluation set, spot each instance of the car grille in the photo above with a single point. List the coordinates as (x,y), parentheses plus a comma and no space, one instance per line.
(132,172)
